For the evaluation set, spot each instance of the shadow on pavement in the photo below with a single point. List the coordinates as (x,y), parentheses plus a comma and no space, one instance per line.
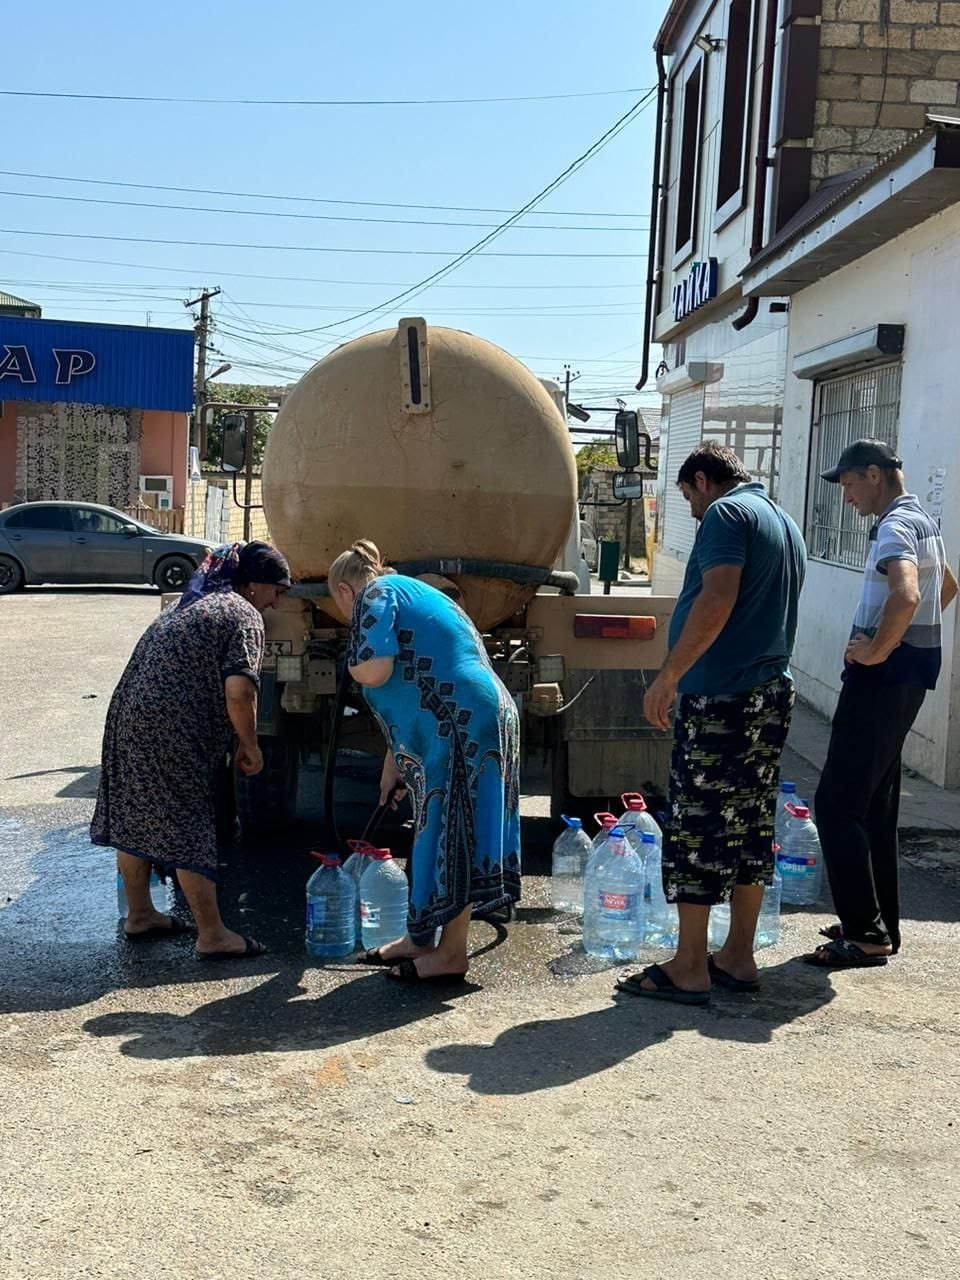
(550,1053)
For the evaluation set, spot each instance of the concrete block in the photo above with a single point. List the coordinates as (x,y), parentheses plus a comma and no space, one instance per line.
(950,15)
(899,115)
(946,38)
(859,10)
(948,67)
(942,92)
(834,86)
(840,35)
(864,62)
(854,113)
(883,89)
(832,140)
(911,62)
(914,11)
(892,38)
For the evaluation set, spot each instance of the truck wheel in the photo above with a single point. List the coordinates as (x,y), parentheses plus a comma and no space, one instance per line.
(11,575)
(268,800)
(174,573)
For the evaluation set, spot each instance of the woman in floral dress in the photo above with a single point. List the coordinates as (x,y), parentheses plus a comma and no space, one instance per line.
(189,688)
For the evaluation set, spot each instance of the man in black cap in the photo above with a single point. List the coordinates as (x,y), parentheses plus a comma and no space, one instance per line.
(891,660)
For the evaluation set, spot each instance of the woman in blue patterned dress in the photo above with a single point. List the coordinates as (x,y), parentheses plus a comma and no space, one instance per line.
(452,735)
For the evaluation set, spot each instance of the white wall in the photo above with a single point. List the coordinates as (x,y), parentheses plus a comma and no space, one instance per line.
(914,280)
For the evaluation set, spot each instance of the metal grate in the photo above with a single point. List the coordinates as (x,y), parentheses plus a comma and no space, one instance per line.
(850,408)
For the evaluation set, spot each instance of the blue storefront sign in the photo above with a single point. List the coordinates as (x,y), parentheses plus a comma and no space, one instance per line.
(110,364)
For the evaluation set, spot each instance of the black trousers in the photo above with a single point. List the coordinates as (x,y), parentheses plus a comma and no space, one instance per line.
(858,804)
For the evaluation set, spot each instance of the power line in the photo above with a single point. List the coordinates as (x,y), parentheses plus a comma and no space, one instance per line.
(274,195)
(311,102)
(365,284)
(481,244)
(298,248)
(301,217)
(230,275)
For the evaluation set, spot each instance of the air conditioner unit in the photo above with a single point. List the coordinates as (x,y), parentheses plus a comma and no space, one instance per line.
(157,492)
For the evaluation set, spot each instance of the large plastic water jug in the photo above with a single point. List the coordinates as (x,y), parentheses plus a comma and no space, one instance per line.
(661,925)
(571,852)
(768,922)
(613,928)
(599,849)
(799,859)
(637,815)
(786,795)
(384,899)
(161,895)
(354,867)
(331,910)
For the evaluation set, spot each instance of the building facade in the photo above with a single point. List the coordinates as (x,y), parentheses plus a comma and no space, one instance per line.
(769,104)
(94,413)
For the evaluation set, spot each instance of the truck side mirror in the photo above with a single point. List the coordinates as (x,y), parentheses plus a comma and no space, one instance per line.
(627,433)
(234,447)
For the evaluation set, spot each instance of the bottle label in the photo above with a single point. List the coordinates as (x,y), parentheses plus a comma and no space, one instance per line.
(793,866)
(316,913)
(622,903)
(370,914)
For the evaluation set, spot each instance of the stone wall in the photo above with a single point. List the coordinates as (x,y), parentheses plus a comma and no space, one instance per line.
(883,65)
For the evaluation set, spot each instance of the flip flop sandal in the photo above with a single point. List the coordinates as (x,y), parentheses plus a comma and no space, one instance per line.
(251,948)
(833,931)
(175,929)
(407,971)
(840,954)
(664,987)
(373,956)
(720,978)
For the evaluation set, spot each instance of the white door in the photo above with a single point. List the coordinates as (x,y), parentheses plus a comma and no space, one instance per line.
(684,433)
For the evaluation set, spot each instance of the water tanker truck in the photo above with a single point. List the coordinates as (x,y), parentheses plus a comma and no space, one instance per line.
(456,461)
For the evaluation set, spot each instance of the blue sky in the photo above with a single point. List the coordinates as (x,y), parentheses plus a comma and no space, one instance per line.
(548,310)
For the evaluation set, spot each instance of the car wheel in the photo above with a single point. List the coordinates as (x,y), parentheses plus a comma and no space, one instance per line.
(11,575)
(174,573)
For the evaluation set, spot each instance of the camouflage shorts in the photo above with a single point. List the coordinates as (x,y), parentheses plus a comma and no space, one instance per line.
(724,775)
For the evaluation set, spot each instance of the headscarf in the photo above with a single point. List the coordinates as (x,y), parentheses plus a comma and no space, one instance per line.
(234,563)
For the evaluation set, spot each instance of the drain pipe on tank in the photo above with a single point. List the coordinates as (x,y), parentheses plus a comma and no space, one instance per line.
(763,157)
(655,203)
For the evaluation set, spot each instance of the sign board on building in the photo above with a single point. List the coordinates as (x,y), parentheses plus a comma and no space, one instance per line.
(699,287)
(122,366)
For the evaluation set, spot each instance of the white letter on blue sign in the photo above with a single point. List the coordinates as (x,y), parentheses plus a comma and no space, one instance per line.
(17,364)
(72,364)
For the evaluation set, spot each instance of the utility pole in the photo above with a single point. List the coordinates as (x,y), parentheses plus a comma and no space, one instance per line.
(203,334)
(568,377)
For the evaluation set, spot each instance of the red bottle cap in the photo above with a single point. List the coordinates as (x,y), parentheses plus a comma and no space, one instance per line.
(326,859)
(634,801)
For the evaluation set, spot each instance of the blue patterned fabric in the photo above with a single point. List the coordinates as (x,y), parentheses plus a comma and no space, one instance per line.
(455,734)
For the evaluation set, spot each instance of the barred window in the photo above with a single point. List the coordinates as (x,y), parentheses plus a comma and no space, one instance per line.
(848,408)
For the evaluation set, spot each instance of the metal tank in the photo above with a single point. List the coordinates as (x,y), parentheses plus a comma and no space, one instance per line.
(435,444)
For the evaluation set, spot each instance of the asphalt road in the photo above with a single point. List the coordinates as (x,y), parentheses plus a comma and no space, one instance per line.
(160,1119)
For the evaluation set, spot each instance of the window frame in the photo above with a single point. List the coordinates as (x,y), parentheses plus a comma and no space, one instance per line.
(103,515)
(737,201)
(691,67)
(852,531)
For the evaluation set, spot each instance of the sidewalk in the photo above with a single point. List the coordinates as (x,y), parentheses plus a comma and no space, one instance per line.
(923,806)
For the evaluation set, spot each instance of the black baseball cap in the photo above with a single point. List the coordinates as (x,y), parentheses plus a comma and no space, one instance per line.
(863,453)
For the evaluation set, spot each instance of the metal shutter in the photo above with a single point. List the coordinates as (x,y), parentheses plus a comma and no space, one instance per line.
(684,433)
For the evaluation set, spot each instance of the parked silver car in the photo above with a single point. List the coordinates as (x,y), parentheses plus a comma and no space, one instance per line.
(82,542)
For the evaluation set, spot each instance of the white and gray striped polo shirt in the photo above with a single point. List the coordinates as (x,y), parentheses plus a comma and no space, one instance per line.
(905,532)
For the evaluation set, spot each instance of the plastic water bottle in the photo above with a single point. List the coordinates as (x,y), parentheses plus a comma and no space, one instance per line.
(786,795)
(384,900)
(160,895)
(637,815)
(354,867)
(599,849)
(768,922)
(661,926)
(613,929)
(331,910)
(800,860)
(571,852)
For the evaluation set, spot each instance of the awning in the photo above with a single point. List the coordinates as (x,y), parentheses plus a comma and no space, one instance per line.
(872,207)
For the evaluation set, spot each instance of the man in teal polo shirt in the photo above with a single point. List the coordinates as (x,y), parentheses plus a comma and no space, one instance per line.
(731,637)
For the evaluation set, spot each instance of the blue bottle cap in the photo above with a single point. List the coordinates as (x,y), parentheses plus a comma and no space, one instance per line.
(574,823)
(647,837)
(790,788)
(615,833)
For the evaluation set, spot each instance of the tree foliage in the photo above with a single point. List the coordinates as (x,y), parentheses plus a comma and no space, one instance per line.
(595,455)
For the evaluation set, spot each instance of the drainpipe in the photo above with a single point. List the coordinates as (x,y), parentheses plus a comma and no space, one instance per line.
(763,147)
(655,204)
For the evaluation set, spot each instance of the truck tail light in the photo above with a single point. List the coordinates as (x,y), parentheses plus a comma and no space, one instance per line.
(613,626)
